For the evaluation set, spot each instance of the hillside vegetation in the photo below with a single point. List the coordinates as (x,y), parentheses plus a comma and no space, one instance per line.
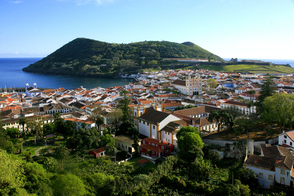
(95,58)
(255,68)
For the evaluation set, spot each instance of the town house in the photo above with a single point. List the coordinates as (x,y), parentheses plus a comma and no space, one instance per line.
(197,117)
(152,122)
(276,164)
(286,139)
(155,148)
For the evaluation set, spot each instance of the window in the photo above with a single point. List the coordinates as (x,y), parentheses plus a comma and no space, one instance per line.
(291,143)
(260,175)
(143,122)
(140,121)
(283,171)
(270,177)
(285,136)
(282,180)
(285,141)
(154,127)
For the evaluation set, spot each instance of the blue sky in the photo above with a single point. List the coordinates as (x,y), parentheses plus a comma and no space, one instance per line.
(258,29)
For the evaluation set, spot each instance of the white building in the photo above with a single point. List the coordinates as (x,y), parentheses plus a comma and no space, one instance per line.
(286,139)
(241,107)
(89,123)
(32,91)
(276,164)
(155,124)
(189,86)
(197,117)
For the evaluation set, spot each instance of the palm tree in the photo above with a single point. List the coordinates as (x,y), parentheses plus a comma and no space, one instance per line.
(99,121)
(251,93)
(215,116)
(22,121)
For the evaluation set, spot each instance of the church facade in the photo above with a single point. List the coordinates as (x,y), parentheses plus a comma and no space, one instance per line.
(189,86)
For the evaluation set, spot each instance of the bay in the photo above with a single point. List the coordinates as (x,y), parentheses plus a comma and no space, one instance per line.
(13,76)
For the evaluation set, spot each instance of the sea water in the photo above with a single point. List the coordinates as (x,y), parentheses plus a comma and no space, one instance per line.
(13,76)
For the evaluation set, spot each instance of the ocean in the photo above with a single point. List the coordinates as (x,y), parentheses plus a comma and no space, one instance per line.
(13,76)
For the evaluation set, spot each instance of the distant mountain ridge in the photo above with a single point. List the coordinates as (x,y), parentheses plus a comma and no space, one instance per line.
(87,57)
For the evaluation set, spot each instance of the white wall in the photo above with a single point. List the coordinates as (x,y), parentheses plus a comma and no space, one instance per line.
(166,136)
(284,139)
(167,120)
(264,181)
(144,129)
(286,175)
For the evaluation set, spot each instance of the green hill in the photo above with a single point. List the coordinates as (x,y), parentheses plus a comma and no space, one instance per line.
(87,57)
(251,68)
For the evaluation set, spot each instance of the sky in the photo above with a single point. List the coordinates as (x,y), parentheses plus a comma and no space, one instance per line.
(255,29)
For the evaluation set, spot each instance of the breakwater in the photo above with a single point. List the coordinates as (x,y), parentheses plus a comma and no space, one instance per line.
(16,89)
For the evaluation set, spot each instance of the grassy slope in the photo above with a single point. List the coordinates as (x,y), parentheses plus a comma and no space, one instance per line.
(249,68)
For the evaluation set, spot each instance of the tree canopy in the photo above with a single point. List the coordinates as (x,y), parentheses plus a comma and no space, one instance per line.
(189,143)
(279,108)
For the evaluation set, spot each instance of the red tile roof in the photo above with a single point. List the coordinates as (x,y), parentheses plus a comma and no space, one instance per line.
(99,150)
(290,134)
(152,148)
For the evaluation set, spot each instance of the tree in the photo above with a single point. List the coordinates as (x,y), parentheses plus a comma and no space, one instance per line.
(115,120)
(211,154)
(99,121)
(267,89)
(215,116)
(211,83)
(189,143)
(279,108)
(68,185)
(227,118)
(102,183)
(84,139)
(123,105)
(48,128)
(61,153)
(37,179)
(11,173)
(251,93)
(246,176)
(65,128)
(35,125)
(12,132)
(23,121)
(109,143)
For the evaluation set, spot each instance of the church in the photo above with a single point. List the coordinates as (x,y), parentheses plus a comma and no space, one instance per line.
(189,86)
(32,91)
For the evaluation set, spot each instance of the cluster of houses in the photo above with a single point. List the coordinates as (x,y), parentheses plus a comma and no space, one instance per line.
(154,98)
